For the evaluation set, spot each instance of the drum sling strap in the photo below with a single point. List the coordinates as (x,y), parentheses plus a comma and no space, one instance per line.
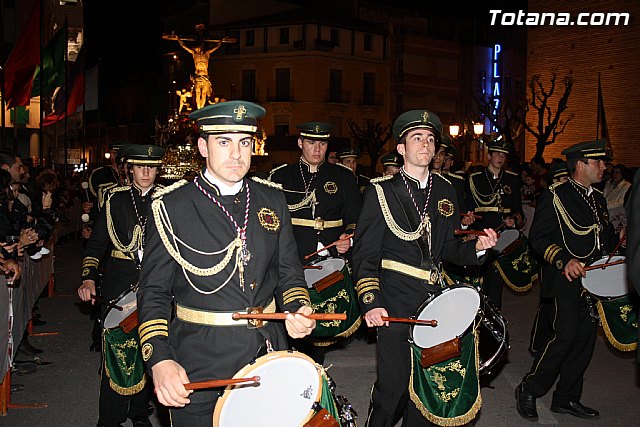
(123,363)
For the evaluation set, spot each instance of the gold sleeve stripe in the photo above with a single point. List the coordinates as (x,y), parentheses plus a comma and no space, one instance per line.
(153,334)
(549,250)
(367,289)
(152,322)
(369,285)
(297,295)
(366,280)
(296,298)
(297,289)
(299,292)
(553,254)
(351,226)
(151,329)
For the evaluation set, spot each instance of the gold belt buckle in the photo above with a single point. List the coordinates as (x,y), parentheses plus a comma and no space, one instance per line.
(319,225)
(255,323)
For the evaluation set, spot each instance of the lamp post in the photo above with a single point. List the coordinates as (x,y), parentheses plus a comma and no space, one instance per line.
(464,134)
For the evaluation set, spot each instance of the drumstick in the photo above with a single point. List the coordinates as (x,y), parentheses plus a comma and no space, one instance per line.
(283,316)
(84,186)
(622,239)
(328,246)
(472,232)
(474,215)
(312,267)
(220,383)
(412,321)
(105,302)
(605,265)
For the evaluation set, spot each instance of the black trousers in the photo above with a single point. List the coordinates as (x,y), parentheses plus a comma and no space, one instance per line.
(492,282)
(566,352)
(390,395)
(116,408)
(196,414)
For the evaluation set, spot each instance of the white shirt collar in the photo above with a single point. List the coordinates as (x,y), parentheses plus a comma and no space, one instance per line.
(225,190)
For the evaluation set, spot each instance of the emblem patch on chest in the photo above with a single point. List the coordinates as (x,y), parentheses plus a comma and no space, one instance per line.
(506,189)
(268,219)
(445,207)
(330,187)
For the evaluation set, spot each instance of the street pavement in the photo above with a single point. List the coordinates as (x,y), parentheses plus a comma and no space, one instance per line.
(70,384)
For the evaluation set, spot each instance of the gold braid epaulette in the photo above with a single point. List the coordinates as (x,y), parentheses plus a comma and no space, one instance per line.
(166,190)
(510,172)
(381,179)
(136,239)
(267,183)
(392,224)
(275,169)
(579,230)
(455,175)
(306,202)
(442,176)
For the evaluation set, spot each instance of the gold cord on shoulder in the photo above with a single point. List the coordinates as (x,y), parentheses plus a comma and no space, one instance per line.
(136,239)
(393,225)
(482,199)
(308,201)
(573,226)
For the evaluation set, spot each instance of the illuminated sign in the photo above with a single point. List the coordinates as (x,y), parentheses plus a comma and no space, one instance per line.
(496,89)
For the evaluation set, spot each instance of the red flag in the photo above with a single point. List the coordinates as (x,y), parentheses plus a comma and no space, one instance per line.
(22,62)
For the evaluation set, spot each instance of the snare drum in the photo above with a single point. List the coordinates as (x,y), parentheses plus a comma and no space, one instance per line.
(617,303)
(331,291)
(113,317)
(292,391)
(506,240)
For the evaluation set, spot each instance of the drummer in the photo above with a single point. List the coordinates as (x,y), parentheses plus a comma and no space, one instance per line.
(395,259)
(116,246)
(494,195)
(324,202)
(570,227)
(348,157)
(215,246)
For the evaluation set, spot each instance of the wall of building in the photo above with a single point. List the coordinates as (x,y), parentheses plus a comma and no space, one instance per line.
(613,51)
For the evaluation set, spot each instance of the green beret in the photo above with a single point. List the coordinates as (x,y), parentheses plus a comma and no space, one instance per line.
(558,170)
(498,145)
(228,117)
(416,119)
(121,150)
(144,154)
(315,130)
(348,152)
(392,159)
(117,145)
(589,150)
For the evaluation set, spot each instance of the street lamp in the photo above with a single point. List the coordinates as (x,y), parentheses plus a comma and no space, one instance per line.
(466,132)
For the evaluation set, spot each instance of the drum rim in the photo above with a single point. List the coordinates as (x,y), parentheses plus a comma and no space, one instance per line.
(132,288)
(437,294)
(508,232)
(274,355)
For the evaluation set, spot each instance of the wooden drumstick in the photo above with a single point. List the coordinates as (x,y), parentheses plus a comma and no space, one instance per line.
(283,316)
(312,267)
(220,383)
(105,302)
(472,232)
(409,320)
(622,239)
(605,265)
(474,215)
(328,246)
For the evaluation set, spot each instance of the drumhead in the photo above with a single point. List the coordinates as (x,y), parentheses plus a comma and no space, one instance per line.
(329,265)
(610,282)
(455,309)
(506,238)
(289,386)
(113,317)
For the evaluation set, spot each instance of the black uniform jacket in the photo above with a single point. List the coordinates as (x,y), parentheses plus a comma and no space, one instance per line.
(337,198)
(494,199)
(117,220)
(196,227)
(400,294)
(561,210)
(460,185)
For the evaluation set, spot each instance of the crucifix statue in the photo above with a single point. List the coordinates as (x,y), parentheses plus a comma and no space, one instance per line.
(200,53)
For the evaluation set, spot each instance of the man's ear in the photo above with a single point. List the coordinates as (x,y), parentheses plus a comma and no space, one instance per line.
(401,149)
(202,147)
(300,143)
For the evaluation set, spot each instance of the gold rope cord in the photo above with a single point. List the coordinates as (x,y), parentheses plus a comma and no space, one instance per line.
(579,230)
(136,240)
(479,197)
(163,221)
(393,225)
(308,201)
